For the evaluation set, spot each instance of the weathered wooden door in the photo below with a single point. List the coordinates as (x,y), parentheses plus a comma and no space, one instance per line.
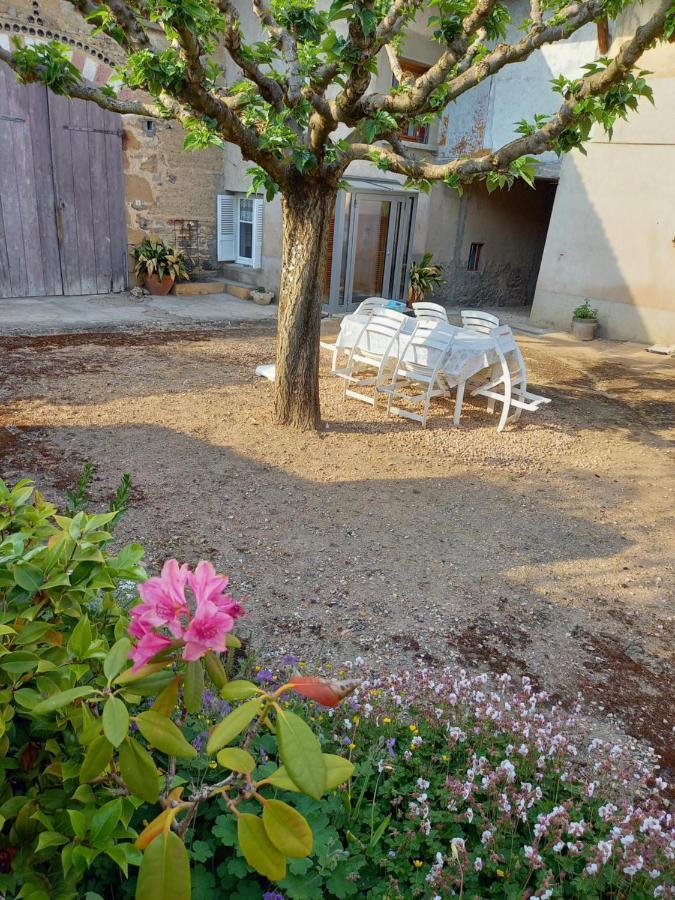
(62,215)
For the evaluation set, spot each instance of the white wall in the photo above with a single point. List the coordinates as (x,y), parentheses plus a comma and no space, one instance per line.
(612,233)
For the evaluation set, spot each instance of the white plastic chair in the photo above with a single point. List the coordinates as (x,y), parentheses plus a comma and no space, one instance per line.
(430,311)
(382,328)
(420,363)
(477,320)
(366,307)
(511,374)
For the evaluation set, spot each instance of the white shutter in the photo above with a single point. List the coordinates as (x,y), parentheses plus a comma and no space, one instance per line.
(257,232)
(226,228)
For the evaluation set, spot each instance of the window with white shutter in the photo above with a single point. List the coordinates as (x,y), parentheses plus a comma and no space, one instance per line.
(257,232)
(226,227)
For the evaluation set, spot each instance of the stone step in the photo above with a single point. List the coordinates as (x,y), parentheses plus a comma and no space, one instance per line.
(196,288)
(237,289)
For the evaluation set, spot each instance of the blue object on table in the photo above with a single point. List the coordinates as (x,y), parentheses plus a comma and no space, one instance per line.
(397,305)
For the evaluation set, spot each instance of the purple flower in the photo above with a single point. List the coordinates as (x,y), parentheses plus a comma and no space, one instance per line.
(391,743)
(272,895)
(263,756)
(208,697)
(290,660)
(264,676)
(198,742)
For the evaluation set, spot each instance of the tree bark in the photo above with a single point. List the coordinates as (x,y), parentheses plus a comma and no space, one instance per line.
(307,207)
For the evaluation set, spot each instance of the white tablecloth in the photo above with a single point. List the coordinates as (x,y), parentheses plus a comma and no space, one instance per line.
(470,351)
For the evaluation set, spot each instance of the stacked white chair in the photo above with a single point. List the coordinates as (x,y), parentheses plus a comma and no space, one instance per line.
(420,365)
(507,383)
(477,320)
(430,311)
(366,307)
(375,351)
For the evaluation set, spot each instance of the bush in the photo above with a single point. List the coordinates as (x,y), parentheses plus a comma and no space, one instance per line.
(84,757)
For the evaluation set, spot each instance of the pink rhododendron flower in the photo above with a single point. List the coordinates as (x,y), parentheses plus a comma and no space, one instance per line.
(201,621)
(149,645)
(206,631)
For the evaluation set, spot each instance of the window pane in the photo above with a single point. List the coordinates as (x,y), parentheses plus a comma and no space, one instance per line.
(246,210)
(246,240)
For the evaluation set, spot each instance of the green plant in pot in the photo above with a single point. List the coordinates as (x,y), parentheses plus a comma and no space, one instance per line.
(158,265)
(424,277)
(584,321)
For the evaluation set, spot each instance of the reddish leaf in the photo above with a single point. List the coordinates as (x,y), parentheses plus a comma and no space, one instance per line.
(325,691)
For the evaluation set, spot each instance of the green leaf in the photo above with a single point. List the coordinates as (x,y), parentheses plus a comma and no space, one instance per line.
(28,577)
(80,639)
(61,699)
(236,759)
(300,752)
(116,658)
(115,720)
(232,725)
(50,839)
(123,854)
(193,686)
(165,870)
(215,669)
(139,771)
(104,821)
(160,732)
(167,700)
(78,822)
(287,829)
(338,770)
(384,824)
(259,851)
(239,690)
(19,662)
(98,756)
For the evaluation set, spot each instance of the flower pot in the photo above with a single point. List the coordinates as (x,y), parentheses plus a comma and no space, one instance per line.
(262,298)
(159,286)
(584,329)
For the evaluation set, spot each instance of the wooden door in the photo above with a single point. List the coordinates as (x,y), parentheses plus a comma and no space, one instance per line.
(62,215)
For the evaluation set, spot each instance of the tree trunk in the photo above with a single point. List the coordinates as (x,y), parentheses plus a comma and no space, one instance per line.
(307,207)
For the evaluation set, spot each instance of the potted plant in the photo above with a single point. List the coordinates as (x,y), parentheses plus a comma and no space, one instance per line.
(584,321)
(424,277)
(262,296)
(158,265)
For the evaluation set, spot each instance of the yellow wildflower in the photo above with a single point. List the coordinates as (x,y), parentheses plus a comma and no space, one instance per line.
(418,863)
(500,873)
(352,746)
(413,728)
(445,757)
(213,765)
(387,720)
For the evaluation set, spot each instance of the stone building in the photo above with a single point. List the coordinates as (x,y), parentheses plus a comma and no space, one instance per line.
(491,245)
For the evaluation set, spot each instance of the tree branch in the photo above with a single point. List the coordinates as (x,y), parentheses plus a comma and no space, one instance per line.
(540,141)
(288,46)
(84,91)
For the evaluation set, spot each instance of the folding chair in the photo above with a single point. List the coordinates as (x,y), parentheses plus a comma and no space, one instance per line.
(477,320)
(366,307)
(430,311)
(372,351)
(510,372)
(420,364)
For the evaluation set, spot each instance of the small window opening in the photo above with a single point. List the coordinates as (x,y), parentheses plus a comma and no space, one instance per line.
(149,126)
(474,257)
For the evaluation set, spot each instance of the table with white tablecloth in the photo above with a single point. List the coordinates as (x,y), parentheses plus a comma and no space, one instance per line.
(470,351)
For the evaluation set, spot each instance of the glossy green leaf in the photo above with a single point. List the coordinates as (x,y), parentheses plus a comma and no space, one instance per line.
(239,690)
(338,770)
(377,836)
(232,725)
(259,851)
(215,669)
(164,873)
(115,720)
(80,639)
(61,699)
(104,821)
(139,771)
(166,701)
(287,829)
(19,662)
(300,752)
(236,759)
(117,658)
(193,686)
(98,756)
(162,733)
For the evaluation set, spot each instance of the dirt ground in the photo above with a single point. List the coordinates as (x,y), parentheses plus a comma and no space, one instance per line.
(546,550)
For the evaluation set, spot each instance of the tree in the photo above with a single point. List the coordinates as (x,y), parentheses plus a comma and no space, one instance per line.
(303,109)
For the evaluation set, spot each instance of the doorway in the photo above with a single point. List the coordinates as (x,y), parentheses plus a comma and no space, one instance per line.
(370,244)
(62,206)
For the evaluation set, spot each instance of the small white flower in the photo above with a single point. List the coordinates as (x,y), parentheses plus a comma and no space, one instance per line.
(591,868)
(478,864)
(422,784)
(557,848)
(485,837)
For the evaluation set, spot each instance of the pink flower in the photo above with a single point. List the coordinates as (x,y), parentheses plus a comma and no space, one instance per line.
(205,583)
(164,598)
(206,631)
(149,645)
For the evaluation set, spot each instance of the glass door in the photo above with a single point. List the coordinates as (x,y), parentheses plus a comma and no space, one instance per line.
(369,248)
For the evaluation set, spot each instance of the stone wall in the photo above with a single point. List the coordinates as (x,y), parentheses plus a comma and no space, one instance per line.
(169,192)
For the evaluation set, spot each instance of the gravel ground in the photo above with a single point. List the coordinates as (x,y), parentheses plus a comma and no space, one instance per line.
(546,550)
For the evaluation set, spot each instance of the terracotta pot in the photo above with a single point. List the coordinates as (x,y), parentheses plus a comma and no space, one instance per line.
(584,329)
(157,286)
